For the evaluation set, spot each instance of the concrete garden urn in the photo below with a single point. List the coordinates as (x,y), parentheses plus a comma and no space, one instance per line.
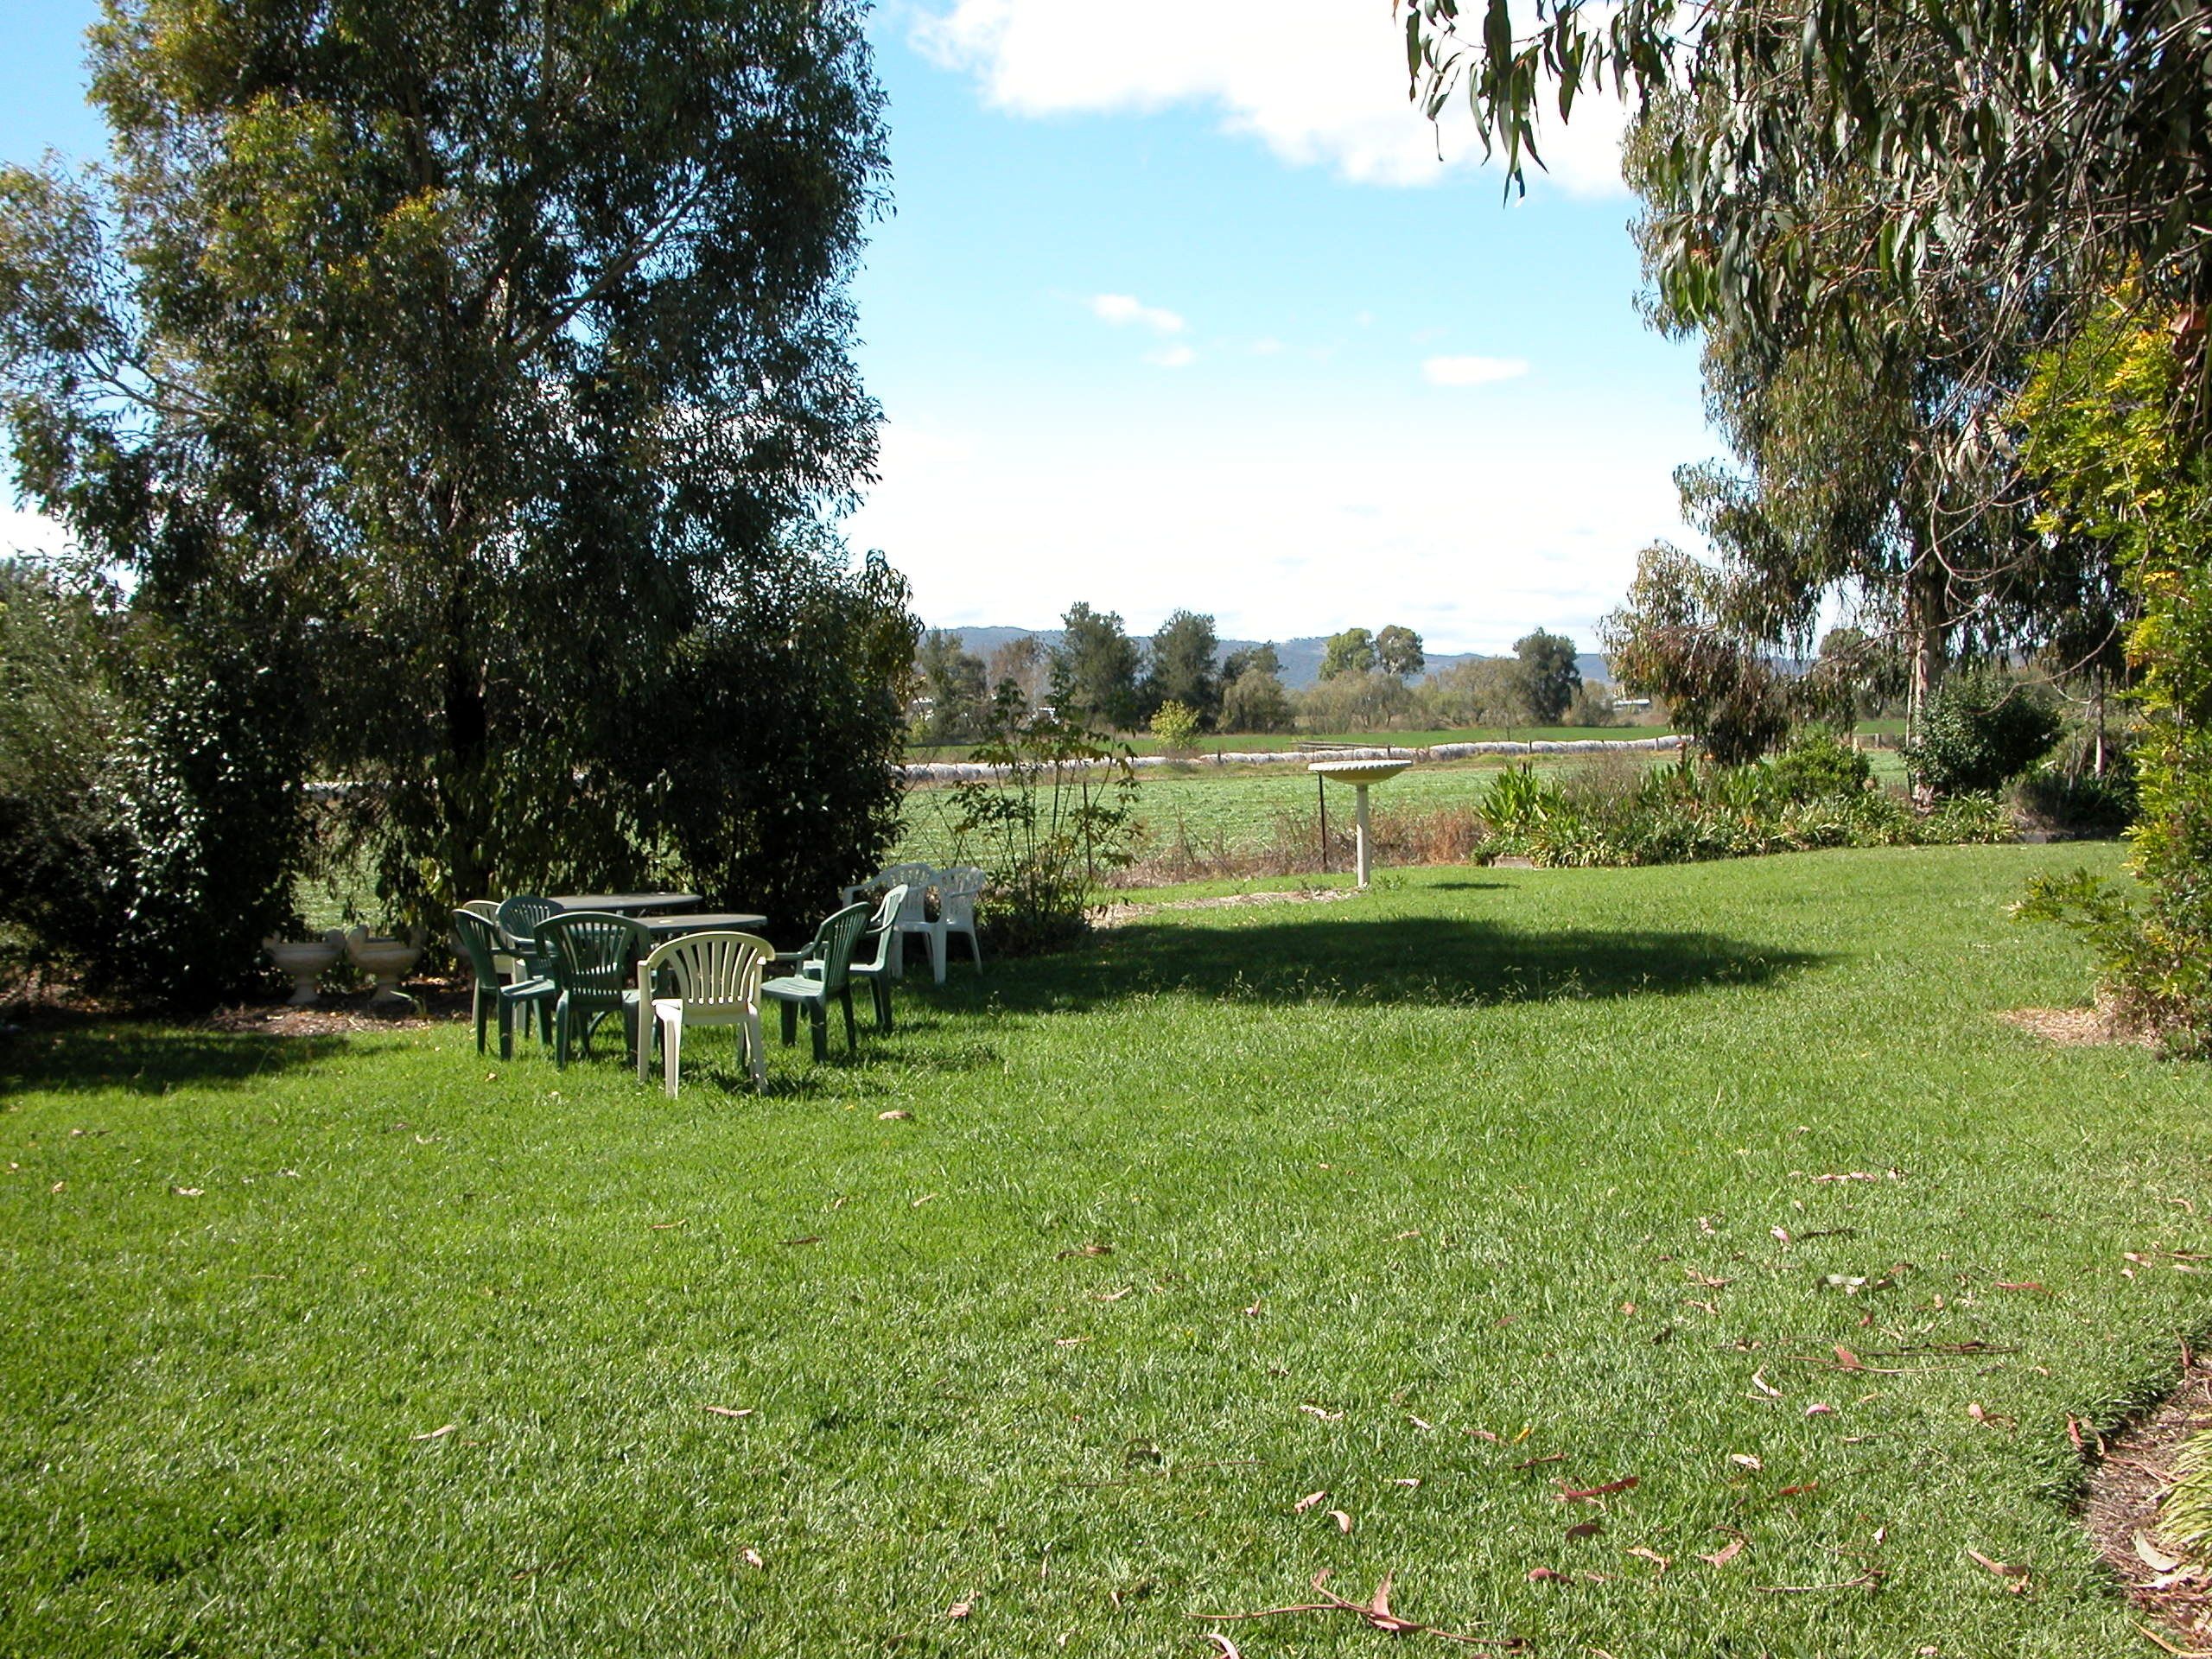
(306,960)
(387,961)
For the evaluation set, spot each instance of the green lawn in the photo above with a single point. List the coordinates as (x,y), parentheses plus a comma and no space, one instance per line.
(369,1346)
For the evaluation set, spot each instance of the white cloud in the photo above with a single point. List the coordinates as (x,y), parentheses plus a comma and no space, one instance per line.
(1279,528)
(1120,309)
(1172,357)
(1322,84)
(1473,370)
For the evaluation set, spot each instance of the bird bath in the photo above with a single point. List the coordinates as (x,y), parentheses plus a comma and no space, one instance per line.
(1359,775)
(387,961)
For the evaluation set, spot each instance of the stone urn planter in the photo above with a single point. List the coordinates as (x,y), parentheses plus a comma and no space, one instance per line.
(306,960)
(387,961)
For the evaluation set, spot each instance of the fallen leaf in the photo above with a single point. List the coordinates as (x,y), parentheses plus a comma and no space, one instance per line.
(960,1610)
(1745,1460)
(2154,1558)
(893,1117)
(1485,1434)
(1586,1529)
(435,1435)
(1849,1361)
(1092,1248)
(1112,1295)
(924,1199)
(729,1411)
(1759,1381)
(1418,1422)
(1781,1234)
(1413,1233)
(1818,1410)
(2015,1577)
(751,1558)
(663,1226)
(1626,1482)
(809,1238)
(1726,1553)
(1069,1341)
(1343,1521)
(1800,1490)
(1850,1175)
(1325,1416)
(1650,1555)
(1227,1647)
(182,1192)
(1407,1481)
(1629,1308)
(2025,1284)
(1544,1575)
(1253,1311)
(1548,1456)
(1306,1502)
(1705,1280)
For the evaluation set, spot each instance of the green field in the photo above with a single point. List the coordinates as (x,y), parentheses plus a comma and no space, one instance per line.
(1271,742)
(1443,1201)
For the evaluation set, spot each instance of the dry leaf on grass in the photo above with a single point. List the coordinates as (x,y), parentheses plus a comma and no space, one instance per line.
(1306,1502)
(1586,1529)
(1544,1575)
(1626,1482)
(809,1238)
(751,1558)
(1745,1460)
(728,1411)
(435,1434)
(1091,1249)
(1376,1610)
(1343,1521)
(893,1117)
(1726,1553)
(2015,1576)
(1650,1555)
(1228,1648)
(1325,1416)
(960,1610)
(1759,1381)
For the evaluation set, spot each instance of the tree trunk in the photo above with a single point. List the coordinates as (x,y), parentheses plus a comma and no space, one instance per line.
(1925,626)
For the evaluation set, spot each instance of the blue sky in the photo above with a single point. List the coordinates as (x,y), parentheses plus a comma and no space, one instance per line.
(1174,313)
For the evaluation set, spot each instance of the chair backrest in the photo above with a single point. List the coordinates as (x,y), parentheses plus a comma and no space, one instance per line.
(713,972)
(956,890)
(833,946)
(483,907)
(480,941)
(519,917)
(884,924)
(591,952)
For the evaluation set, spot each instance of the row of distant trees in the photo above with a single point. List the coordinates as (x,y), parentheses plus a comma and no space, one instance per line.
(1101,675)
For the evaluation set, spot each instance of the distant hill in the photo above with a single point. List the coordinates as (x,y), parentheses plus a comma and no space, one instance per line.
(1301,658)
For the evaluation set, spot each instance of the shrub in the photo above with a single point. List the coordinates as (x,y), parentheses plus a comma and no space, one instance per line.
(1819,764)
(1984,728)
(1058,811)
(1176,726)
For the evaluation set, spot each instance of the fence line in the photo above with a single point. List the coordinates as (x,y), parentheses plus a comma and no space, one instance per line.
(954,771)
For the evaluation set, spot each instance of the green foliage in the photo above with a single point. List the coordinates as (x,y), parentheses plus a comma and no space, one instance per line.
(1481,691)
(1685,812)
(2185,1512)
(1819,764)
(1253,699)
(1059,809)
(1398,651)
(1182,667)
(500,354)
(1350,653)
(953,681)
(1674,640)
(1548,676)
(1371,702)
(1983,729)
(2103,430)
(1095,669)
(1176,726)
(59,721)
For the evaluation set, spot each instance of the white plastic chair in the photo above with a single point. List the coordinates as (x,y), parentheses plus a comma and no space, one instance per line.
(717,982)
(956,890)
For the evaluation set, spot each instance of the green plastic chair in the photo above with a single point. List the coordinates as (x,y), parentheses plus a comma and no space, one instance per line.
(592,957)
(879,971)
(478,940)
(825,974)
(518,917)
(715,978)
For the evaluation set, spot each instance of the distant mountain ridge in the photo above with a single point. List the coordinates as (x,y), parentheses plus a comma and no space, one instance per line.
(1301,658)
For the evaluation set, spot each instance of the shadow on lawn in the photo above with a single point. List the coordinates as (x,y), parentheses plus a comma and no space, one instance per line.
(93,1056)
(1421,959)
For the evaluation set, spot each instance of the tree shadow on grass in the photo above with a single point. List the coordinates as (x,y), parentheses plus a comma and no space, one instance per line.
(95,1056)
(1412,960)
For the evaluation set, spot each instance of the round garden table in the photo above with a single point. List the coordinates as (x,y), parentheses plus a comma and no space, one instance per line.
(626,904)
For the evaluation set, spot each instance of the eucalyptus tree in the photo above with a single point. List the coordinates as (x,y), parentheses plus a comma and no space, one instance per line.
(501,354)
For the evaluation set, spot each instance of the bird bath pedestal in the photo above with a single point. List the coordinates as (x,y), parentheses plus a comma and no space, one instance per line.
(1359,775)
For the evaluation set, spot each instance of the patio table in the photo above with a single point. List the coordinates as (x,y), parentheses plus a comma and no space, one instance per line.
(732,921)
(627,904)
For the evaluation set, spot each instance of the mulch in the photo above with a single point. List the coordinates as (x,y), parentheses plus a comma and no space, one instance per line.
(2126,1486)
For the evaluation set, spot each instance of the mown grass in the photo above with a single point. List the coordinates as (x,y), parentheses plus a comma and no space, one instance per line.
(1238,1206)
